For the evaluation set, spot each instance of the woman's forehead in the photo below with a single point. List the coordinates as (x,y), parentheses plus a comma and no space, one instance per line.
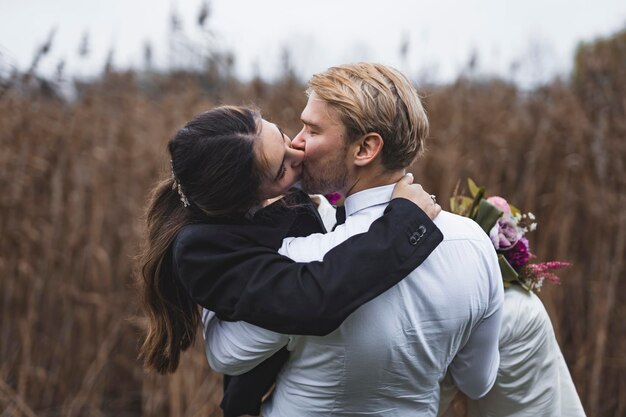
(272,144)
(271,131)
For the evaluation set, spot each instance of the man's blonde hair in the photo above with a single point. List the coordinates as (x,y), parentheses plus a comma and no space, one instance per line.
(374,98)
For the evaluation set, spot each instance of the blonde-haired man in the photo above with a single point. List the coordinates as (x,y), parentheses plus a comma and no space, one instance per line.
(370,104)
(363,125)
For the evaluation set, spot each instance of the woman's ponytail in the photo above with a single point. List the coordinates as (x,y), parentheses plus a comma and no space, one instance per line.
(173,317)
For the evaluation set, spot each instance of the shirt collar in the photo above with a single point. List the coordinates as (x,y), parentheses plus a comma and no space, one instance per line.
(368,198)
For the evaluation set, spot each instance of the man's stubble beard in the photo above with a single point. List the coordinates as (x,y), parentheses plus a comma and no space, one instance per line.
(325,178)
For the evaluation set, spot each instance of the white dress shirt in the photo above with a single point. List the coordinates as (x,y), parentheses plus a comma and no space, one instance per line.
(388,357)
(533,379)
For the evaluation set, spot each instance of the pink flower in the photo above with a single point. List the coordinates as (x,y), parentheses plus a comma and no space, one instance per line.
(545,270)
(500,203)
(333,198)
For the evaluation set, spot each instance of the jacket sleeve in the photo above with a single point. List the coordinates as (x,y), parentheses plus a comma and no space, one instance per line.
(227,271)
(243,393)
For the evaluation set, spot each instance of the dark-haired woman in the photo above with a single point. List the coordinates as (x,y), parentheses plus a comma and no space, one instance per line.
(212,234)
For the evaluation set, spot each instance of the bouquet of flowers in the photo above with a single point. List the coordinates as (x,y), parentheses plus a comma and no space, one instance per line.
(507,226)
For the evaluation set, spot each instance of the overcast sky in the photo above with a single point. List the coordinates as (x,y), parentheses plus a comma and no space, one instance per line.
(535,37)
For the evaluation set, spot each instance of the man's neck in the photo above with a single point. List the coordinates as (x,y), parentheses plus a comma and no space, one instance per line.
(373,178)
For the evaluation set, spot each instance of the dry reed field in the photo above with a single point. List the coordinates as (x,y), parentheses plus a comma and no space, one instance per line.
(75,176)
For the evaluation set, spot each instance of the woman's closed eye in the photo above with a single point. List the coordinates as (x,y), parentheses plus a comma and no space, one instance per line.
(281,173)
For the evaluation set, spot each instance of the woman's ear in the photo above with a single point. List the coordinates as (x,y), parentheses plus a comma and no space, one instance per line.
(368,147)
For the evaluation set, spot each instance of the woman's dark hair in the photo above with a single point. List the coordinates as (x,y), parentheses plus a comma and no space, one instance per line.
(213,162)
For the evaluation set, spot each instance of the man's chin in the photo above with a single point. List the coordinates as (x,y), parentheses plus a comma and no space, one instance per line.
(309,186)
(319,185)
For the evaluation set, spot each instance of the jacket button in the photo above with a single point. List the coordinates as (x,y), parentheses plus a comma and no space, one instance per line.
(417,236)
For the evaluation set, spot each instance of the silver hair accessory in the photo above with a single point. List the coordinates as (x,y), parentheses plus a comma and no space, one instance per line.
(176,186)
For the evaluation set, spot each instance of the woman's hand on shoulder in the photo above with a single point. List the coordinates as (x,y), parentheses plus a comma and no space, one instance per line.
(415,193)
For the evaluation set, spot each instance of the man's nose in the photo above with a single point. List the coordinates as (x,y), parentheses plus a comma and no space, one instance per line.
(298,142)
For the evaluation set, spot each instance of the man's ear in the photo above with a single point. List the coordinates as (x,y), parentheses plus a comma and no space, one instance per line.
(368,147)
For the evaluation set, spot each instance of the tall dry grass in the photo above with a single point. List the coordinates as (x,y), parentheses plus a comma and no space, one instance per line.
(75,176)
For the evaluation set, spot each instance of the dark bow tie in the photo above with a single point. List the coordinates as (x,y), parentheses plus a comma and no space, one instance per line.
(340,215)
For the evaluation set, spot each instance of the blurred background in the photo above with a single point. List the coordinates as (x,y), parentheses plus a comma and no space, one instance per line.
(526,99)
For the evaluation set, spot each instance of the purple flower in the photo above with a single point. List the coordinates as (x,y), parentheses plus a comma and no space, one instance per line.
(494,235)
(519,254)
(333,198)
(508,233)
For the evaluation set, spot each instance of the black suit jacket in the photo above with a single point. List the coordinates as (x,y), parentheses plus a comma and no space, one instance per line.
(233,269)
